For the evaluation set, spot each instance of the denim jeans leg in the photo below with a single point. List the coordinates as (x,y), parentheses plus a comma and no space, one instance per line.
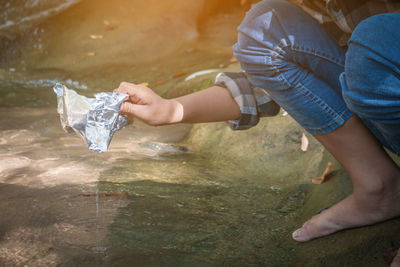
(371,82)
(287,53)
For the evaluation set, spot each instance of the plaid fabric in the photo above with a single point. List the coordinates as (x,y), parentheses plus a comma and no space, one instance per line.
(254,102)
(346,14)
(340,17)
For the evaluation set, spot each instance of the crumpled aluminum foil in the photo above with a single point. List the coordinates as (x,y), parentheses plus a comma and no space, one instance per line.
(94,119)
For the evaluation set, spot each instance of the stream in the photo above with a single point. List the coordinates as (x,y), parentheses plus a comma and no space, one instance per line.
(179,195)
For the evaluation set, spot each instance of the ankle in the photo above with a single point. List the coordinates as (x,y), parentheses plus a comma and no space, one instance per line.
(391,182)
(379,184)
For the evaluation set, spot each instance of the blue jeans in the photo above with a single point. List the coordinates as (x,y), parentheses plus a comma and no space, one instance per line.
(286,52)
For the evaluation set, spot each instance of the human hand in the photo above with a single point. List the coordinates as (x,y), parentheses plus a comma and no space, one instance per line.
(144,104)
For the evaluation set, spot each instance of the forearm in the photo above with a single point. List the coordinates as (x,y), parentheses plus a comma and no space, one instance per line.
(209,105)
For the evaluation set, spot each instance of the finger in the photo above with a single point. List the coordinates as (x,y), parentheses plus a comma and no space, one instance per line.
(123,90)
(130,89)
(125,87)
(128,108)
(137,111)
(119,91)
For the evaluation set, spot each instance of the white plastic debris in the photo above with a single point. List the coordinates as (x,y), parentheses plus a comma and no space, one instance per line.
(200,73)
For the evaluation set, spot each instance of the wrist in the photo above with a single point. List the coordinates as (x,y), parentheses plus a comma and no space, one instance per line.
(174,111)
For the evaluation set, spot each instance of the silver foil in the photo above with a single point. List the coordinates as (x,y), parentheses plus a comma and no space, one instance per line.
(94,119)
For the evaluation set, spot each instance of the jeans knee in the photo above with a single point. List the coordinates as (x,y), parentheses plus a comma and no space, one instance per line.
(366,27)
(376,31)
(371,79)
(370,74)
(254,31)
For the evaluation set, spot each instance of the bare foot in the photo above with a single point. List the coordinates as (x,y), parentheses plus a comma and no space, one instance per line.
(375,178)
(354,211)
(396,260)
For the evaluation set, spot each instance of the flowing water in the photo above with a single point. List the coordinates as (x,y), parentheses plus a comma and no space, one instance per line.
(177,195)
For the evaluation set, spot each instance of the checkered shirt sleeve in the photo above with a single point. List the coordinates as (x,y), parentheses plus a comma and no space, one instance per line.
(253,102)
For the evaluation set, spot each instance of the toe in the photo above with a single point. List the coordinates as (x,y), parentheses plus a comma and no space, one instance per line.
(300,235)
(297,234)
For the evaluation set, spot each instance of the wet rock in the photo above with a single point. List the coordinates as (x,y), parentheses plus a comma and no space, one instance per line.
(292,203)
(168,24)
(16,16)
(171,148)
(18,137)
(10,163)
